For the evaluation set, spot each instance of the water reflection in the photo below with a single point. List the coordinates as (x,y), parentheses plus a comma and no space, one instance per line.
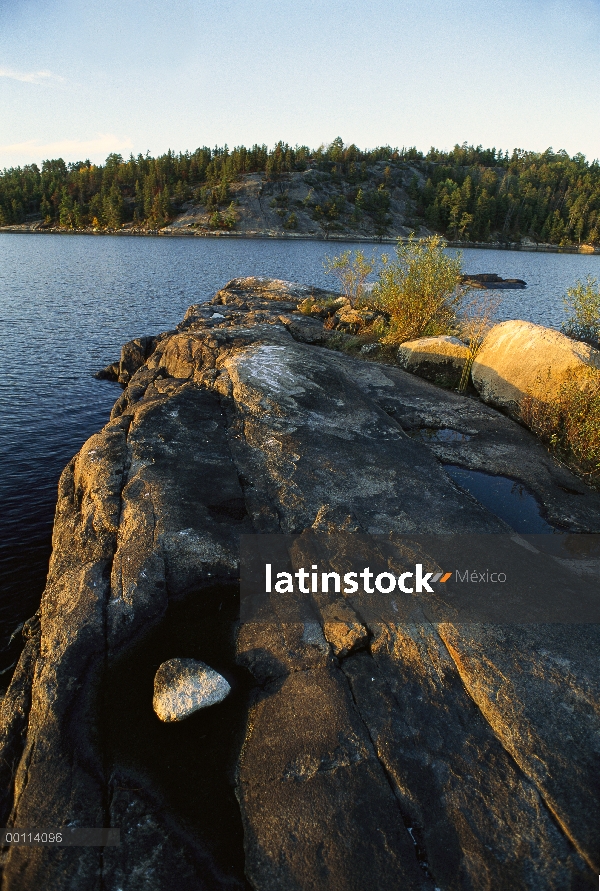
(507,498)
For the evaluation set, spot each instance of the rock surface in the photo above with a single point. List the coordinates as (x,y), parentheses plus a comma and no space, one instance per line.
(491,281)
(182,686)
(133,355)
(396,755)
(439,359)
(286,207)
(520,358)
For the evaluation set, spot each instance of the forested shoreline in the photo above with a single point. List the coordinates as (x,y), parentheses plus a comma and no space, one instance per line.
(467,194)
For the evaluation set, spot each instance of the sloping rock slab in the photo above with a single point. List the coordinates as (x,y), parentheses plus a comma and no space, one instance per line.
(415,757)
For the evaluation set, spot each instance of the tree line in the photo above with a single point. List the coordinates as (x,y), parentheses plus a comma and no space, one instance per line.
(469,193)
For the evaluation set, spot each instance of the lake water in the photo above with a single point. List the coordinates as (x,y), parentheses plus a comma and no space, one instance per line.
(68,303)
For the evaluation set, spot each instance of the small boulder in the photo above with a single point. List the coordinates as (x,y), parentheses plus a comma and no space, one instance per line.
(370,349)
(342,628)
(305,329)
(339,302)
(323,307)
(348,319)
(182,686)
(519,358)
(439,359)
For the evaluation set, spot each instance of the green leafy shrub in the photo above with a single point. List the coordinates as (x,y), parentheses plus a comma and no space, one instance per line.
(352,270)
(582,304)
(227,220)
(420,290)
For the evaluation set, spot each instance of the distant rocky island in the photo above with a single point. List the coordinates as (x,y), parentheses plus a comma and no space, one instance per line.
(339,754)
(470,195)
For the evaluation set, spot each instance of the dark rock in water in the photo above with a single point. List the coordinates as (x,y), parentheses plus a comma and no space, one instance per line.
(110,373)
(492,281)
(374,756)
(133,355)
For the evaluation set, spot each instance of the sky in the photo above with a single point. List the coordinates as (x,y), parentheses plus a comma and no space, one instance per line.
(82,78)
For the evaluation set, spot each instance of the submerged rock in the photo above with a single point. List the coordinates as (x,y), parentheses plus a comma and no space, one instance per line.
(182,686)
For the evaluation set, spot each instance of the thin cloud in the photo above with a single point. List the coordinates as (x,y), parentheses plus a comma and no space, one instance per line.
(31,77)
(69,149)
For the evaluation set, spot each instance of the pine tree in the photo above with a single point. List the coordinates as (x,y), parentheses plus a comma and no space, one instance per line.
(65,210)
(112,207)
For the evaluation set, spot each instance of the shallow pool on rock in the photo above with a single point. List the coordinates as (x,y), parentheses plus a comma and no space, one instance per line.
(507,498)
(187,766)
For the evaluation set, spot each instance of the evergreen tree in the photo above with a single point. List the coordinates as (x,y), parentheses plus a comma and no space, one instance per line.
(65,210)
(112,207)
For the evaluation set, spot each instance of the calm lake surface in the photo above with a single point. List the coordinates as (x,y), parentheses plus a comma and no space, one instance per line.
(68,303)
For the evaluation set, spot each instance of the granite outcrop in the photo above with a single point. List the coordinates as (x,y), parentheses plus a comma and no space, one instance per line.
(519,359)
(418,755)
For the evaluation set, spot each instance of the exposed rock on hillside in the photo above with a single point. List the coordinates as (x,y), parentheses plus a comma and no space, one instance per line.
(418,756)
(312,204)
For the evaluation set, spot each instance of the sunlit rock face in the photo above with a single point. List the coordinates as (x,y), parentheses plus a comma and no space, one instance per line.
(440,359)
(519,359)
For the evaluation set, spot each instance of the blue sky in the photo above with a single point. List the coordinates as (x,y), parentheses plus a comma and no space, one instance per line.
(82,78)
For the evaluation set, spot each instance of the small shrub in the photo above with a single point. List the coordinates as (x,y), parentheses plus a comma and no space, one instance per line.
(352,270)
(475,322)
(217,220)
(420,289)
(571,424)
(346,343)
(582,304)
(305,306)
(230,218)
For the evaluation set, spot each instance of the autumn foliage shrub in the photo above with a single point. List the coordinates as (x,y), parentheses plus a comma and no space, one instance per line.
(420,290)
(570,424)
